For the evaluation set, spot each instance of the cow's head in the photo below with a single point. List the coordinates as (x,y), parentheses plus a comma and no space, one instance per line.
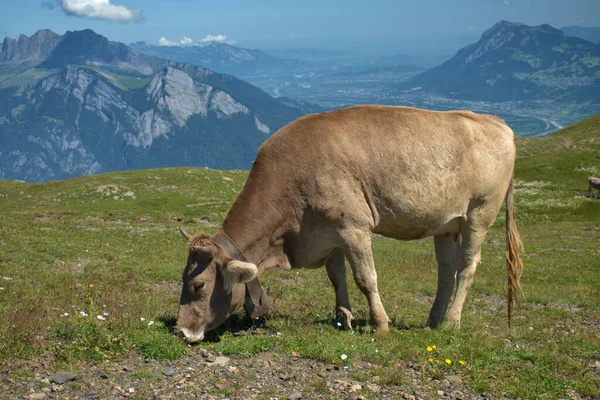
(210,293)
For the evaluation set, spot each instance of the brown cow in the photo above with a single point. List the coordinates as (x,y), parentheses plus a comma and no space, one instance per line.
(593,183)
(321,186)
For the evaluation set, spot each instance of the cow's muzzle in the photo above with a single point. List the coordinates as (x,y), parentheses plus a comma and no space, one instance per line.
(188,336)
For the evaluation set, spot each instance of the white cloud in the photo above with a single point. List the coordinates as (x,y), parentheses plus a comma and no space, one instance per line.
(163,41)
(100,9)
(215,38)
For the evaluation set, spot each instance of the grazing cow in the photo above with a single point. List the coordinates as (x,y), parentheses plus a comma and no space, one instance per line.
(594,183)
(322,185)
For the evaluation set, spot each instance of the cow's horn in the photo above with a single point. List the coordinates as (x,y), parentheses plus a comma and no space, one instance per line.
(186,235)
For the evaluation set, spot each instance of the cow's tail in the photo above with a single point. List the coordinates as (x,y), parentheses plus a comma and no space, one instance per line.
(514,245)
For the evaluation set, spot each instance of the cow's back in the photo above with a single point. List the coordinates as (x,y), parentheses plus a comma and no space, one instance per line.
(401,170)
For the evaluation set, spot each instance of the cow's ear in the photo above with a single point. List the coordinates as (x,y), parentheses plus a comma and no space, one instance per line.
(238,272)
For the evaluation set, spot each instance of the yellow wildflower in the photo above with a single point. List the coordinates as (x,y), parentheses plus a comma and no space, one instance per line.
(462,362)
(429,348)
(430,360)
(434,347)
(448,361)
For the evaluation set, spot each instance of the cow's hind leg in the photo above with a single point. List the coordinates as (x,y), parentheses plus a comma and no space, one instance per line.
(360,256)
(473,231)
(336,270)
(447,248)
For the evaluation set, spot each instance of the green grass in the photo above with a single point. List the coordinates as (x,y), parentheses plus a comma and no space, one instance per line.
(108,245)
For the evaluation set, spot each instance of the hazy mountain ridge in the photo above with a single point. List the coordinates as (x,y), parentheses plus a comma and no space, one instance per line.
(89,105)
(591,34)
(513,61)
(222,57)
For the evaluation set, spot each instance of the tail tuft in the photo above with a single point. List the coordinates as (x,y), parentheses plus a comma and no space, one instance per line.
(514,246)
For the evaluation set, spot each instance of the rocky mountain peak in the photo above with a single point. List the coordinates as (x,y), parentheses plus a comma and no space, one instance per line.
(29,49)
(497,36)
(88,47)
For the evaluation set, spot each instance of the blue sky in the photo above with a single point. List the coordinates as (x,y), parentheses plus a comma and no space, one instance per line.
(390,25)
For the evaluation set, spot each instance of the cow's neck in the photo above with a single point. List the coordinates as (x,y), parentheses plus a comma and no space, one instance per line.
(257,223)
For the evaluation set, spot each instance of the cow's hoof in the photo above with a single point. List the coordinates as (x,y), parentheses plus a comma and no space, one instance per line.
(434,321)
(343,318)
(381,328)
(452,322)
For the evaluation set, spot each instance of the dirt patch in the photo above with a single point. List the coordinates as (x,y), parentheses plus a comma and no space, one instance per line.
(47,217)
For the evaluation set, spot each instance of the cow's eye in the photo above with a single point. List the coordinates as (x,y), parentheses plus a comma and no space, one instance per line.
(199,287)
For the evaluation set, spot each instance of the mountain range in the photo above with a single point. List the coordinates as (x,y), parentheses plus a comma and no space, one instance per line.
(223,58)
(516,62)
(79,104)
(591,34)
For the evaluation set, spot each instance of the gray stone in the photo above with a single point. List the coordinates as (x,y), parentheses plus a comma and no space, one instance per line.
(495,242)
(62,377)
(221,361)
(295,395)
(168,371)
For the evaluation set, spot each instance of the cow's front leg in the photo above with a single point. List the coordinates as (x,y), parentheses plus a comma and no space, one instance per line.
(446,252)
(360,256)
(336,270)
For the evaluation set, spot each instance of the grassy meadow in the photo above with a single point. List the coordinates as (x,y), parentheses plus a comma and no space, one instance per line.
(90,271)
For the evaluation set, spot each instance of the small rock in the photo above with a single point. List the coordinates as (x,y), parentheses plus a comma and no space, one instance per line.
(210,358)
(373,388)
(495,242)
(62,377)
(221,361)
(37,396)
(295,395)
(453,378)
(441,393)
(355,388)
(168,371)
(220,386)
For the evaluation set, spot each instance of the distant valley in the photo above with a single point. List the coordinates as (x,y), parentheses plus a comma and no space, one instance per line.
(538,78)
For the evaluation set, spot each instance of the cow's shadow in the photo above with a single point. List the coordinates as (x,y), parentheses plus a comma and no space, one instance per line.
(361,325)
(241,324)
(236,325)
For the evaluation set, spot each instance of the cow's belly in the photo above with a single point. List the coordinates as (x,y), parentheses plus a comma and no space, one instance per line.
(414,228)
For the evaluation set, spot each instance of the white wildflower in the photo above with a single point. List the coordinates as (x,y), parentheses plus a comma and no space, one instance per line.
(101,317)
(142,319)
(65,314)
(83,314)
(339,324)
(343,356)
(105,314)
(150,323)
